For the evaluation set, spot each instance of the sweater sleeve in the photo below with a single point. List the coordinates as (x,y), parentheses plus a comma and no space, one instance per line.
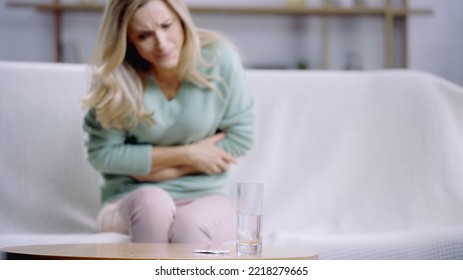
(239,119)
(108,152)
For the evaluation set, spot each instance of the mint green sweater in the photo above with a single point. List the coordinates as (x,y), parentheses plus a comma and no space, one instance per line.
(194,114)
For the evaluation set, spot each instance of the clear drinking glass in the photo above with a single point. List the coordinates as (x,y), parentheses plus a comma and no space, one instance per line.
(249,211)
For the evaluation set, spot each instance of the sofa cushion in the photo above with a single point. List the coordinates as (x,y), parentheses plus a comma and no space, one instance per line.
(436,243)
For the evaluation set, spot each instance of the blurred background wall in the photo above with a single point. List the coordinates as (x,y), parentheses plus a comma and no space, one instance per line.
(435,41)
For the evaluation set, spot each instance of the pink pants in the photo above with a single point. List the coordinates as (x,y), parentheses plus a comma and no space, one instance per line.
(149,214)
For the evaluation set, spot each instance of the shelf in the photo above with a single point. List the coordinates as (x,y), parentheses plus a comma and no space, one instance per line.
(306,11)
(387,13)
(56,7)
(318,11)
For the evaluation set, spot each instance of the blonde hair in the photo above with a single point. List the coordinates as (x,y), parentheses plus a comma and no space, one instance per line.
(119,72)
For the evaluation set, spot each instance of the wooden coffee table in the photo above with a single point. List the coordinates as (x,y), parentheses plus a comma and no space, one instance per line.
(147,251)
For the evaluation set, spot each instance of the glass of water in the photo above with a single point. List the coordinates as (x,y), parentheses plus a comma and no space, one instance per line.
(249,211)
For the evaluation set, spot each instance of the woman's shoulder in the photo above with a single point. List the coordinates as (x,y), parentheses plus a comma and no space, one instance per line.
(223,55)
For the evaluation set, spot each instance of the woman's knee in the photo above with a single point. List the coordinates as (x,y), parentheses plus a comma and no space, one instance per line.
(205,220)
(190,229)
(150,200)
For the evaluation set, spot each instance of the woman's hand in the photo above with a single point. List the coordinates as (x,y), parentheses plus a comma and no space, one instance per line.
(206,157)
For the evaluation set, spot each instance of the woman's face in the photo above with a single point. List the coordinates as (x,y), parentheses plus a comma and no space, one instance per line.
(157,34)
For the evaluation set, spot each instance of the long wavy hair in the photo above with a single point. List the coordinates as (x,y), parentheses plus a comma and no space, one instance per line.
(119,73)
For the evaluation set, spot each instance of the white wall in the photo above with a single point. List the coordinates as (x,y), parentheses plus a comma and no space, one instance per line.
(25,35)
(435,42)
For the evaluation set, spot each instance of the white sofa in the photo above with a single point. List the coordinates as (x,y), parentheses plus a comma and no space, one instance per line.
(357,165)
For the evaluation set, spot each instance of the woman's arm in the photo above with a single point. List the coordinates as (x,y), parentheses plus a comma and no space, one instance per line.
(108,153)
(239,120)
(166,174)
(202,157)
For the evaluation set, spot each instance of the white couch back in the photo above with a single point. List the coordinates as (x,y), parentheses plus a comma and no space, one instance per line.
(357,152)
(339,152)
(46,185)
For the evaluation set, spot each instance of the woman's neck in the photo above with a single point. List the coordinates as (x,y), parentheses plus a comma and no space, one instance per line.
(167,78)
(168,82)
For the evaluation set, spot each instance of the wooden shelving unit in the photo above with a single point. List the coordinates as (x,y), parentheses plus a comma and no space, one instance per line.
(388,13)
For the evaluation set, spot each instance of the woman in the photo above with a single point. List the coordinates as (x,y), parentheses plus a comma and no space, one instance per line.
(169,111)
